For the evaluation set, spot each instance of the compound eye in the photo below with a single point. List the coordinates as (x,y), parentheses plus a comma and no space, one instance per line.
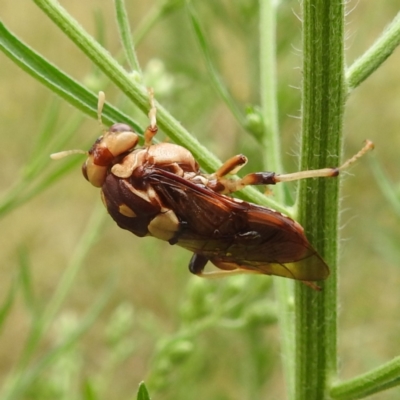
(120,139)
(120,127)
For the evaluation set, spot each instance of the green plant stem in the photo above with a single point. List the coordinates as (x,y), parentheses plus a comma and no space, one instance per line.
(126,35)
(323,95)
(56,80)
(375,381)
(268,91)
(93,50)
(159,10)
(273,162)
(142,393)
(370,61)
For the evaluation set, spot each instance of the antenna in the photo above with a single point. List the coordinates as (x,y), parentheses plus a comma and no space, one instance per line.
(66,153)
(100,104)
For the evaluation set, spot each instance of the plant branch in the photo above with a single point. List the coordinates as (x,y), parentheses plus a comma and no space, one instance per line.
(370,61)
(57,81)
(271,146)
(377,380)
(268,91)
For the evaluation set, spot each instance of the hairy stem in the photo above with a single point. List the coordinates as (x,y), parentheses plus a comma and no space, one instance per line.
(318,199)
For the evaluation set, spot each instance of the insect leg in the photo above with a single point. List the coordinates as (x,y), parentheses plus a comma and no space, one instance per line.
(325,172)
(100,104)
(271,178)
(197,264)
(231,166)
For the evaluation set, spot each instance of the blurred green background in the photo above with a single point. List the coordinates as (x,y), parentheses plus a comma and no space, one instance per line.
(152,277)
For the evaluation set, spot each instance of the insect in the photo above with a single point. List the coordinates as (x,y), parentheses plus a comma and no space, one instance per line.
(158,190)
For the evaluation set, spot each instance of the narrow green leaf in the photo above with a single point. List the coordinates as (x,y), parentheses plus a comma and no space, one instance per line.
(89,390)
(100,27)
(26,280)
(57,81)
(157,12)
(142,394)
(217,81)
(5,308)
(126,35)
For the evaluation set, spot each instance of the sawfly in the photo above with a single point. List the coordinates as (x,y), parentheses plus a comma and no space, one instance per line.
(159,190)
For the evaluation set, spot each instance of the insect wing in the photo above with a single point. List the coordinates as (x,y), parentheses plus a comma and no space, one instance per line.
(204,217)
(236,234)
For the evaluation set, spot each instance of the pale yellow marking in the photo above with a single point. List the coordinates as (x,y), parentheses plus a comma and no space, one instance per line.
(126,211)
(164,225)
(127,166)
(225,273)
(140,193)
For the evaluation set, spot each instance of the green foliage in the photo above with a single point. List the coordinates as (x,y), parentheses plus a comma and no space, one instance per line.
(212,339)
(142,392)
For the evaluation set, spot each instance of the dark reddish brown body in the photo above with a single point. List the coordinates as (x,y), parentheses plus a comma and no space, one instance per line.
(158,190)
(230,233)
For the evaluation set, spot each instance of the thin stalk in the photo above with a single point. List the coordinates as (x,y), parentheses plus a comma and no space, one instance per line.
(126,35)
(215,77)
(372,59)
(381,378)
(323,96)
(273,162)
(268,90)
(156,13)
